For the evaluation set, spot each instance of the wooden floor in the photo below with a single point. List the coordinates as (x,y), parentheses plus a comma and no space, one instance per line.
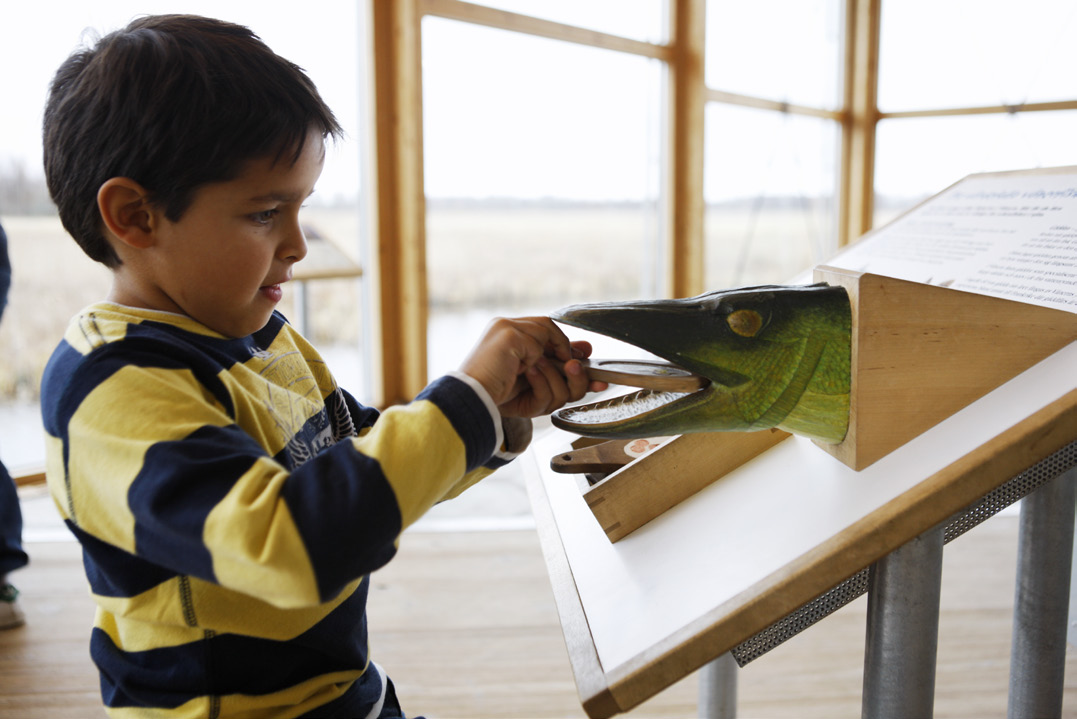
(466,625)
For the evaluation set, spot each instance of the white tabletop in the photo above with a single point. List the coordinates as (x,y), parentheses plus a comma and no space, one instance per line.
(769,536)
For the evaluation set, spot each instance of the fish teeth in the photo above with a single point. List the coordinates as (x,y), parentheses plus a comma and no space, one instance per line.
(623,407)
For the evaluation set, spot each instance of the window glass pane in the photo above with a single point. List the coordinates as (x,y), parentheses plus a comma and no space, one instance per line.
(769,182)
(785,50)
(636,19)
(53,279)
(918,157)
(541,172)
(974,53)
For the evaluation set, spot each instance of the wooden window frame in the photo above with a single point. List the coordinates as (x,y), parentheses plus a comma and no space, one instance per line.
(397,251)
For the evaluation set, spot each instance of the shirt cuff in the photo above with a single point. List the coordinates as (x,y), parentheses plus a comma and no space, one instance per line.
(513,434)
(488,401)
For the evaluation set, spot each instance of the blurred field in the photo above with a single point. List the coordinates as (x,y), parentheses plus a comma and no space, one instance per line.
(481,262)
(51,280)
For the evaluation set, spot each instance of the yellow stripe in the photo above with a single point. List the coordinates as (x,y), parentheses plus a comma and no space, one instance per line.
(155,618)
(224,610)
(193,709)
(297,700)
(421,472)
(470,480)
(292,702)
(256,547)
(112,430)
(145,633)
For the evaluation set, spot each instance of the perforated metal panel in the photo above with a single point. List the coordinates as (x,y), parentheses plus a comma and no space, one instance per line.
(856,585)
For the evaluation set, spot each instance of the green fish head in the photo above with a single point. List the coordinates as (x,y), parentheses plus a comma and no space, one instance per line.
(776,356)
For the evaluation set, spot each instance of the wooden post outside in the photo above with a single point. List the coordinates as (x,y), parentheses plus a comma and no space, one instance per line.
(857,189)
(399,252)
(684,184)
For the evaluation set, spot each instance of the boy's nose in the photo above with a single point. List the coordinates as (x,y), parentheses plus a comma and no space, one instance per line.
(294,248)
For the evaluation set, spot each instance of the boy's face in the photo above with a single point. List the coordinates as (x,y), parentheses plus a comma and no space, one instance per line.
(224,261)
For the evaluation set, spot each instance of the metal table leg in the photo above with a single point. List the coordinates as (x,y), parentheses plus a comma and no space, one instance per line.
(903,630)
(718,688)
(1041,603)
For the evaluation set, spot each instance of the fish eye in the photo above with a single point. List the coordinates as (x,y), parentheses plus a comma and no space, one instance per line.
(745,323)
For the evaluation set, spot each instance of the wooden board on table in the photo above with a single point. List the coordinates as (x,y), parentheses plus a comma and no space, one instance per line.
(674,471)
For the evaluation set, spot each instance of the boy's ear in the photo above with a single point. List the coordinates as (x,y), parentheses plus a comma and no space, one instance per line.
(126,211)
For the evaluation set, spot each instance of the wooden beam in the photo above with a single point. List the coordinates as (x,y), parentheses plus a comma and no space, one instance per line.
(857,191)
(733,98)
(30,477)
(400,247)
(515,22)
(987,110)
(685,143)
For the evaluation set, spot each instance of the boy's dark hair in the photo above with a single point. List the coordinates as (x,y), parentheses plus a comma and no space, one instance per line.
(173,102)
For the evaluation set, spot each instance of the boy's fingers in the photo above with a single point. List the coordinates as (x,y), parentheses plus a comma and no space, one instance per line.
(560,386)
(540,388)
(547,335)
(519,361)
(581,349)
(577,379)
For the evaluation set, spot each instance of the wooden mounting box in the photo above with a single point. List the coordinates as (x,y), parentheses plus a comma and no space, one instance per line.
(919,352)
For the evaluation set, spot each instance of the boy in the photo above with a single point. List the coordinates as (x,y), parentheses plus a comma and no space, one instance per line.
(230,498)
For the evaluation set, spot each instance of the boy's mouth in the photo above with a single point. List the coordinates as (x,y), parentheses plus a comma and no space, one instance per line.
(272,292)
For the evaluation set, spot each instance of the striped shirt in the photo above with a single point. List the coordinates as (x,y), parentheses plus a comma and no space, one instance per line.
(231,500)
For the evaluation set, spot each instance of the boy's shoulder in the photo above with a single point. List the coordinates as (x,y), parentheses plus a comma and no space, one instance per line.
(104,338)
(104,323)
(122,347)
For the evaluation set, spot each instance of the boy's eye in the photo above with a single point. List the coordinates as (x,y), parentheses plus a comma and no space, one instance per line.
(265,217)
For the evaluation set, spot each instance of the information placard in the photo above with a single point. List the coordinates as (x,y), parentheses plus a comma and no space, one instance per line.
(1011,235)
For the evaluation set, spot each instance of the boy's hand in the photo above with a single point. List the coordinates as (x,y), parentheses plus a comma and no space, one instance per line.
(512,362)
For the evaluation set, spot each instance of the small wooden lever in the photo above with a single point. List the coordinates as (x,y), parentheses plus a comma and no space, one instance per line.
(605,457)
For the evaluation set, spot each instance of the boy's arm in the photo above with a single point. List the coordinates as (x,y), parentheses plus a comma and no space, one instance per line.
(510,369)
(150,457)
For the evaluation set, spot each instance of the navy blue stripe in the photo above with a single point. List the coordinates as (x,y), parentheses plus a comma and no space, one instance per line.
(468,415)
(113,572)
(361,415)
(347,513)
(224,664)
(54,410)
(179,484)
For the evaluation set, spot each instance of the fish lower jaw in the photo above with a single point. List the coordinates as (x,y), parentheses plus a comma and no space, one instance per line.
(624,417)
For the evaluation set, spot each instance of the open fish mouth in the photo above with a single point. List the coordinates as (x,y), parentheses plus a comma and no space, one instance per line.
(663,386)
(760,357)
(644,413)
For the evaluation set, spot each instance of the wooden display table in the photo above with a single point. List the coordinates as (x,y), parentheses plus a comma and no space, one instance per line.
(767,538)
